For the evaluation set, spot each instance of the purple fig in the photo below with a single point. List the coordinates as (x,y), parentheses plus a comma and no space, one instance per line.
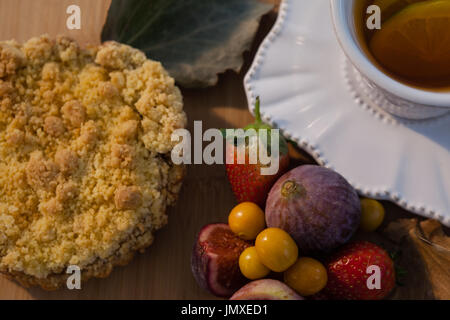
(215,260)
(316,206)
(266,289)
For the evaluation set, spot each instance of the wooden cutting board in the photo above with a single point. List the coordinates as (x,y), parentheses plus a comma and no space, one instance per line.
(163,271)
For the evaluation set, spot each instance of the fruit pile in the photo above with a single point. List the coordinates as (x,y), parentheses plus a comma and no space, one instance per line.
(300,246)
(226,257)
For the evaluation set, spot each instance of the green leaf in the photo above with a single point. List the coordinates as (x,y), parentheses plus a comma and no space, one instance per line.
(194,39)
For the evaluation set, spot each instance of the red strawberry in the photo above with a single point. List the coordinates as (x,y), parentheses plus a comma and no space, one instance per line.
(348,272)
(247,182)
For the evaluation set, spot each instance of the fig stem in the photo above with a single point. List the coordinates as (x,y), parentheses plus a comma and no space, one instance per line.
(290,189)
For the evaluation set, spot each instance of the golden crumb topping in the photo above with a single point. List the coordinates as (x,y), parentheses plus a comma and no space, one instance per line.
(84,143)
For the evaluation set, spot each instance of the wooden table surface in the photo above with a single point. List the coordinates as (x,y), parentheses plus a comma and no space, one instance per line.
(163,271)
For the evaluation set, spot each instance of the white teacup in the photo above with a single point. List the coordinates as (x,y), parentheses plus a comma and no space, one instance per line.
(401,100)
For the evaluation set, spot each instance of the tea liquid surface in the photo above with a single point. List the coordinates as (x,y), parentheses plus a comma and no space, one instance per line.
(413,44)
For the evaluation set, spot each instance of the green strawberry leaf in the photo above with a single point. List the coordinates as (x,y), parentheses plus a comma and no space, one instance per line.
(223,132)
(400,272)
(194,39)
(258,125)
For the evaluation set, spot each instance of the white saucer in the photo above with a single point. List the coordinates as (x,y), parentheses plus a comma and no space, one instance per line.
(310,91)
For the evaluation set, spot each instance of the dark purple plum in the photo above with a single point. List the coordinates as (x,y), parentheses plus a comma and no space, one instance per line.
(316,206)
(215,260)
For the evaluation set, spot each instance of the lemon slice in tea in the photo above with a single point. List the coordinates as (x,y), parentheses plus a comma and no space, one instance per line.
(390,7)
(415,43)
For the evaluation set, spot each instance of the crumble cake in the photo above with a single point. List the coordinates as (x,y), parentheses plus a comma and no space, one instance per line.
(85,169)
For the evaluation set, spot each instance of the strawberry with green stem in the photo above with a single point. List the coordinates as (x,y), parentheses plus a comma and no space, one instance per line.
(349,270)
(247,182)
